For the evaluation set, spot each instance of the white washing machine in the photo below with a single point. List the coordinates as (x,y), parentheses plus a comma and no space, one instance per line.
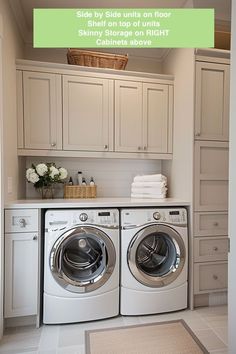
(154,260)
(81,265)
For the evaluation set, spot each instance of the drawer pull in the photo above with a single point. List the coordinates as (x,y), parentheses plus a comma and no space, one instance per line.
(215,277)
(22,223)
(215,248)
(105,147)
(216,223)
(35,237)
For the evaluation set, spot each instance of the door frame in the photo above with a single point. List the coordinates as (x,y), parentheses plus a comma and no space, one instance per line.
(1,184)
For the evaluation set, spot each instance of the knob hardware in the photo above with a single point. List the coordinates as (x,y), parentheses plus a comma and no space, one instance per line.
(105,147)
(83,217)
(145,148)
(215,248)
(139,148)
(35,237)
(156,215)
(216,223)
(22,223)
(53,144)
(215,277)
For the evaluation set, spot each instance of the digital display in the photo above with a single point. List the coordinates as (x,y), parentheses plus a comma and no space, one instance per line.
(104,213)
(176,212)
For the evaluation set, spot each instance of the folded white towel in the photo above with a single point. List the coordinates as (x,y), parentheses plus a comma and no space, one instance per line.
(149,184)
(150,178)
(148,196)
(152,190)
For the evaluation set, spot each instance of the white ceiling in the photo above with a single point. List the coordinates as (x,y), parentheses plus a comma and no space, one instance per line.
(23,10)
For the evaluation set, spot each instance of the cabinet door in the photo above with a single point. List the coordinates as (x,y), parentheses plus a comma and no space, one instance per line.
(87,114)
(128,116)
(42,111)
(156,119)
(211,176)
(212,101)
(21,274)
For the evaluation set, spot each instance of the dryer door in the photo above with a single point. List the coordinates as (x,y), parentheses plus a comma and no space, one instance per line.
(156,255)
(82,259)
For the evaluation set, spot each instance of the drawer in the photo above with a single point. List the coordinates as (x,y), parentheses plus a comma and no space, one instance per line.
(21,220)
(210,277)
(210,249)
(210,224)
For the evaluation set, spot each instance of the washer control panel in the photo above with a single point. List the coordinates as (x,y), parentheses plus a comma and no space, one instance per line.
(61,219)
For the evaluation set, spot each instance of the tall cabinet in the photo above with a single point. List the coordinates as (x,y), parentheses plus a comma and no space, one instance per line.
(211,135)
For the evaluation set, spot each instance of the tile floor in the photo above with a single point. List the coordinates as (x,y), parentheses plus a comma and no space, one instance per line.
(208,323)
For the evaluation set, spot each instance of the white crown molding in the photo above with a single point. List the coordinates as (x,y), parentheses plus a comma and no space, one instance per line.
(21,20)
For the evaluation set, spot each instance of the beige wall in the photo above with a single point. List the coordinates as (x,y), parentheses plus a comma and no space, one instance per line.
(12,49)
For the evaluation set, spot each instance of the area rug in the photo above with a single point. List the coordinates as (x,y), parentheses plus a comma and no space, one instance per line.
(172,337)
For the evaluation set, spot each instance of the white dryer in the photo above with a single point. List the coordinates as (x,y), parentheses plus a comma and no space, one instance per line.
(154,260)
(81,265)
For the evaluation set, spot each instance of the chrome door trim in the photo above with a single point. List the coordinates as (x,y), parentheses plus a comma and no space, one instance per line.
(173,273)
(82,286)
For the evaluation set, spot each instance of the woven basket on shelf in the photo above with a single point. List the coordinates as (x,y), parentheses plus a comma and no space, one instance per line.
(71,192)
(96,59)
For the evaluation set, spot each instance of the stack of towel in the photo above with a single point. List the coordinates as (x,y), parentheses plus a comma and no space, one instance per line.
(149,186)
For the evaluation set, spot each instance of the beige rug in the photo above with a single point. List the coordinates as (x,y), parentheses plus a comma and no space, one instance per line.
(173,337)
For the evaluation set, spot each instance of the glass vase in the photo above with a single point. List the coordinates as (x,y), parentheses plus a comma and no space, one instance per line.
(46,192)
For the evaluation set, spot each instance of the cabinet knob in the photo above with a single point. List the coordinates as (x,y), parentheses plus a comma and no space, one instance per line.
(35,237)
(139,148)
(197,134)
(145,148)
(215,277)
(215,248)
(53,144)
(22,223)
(105,147)
(216,223)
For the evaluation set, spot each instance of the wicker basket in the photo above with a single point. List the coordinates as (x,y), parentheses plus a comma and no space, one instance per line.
(96,59)
(71,192)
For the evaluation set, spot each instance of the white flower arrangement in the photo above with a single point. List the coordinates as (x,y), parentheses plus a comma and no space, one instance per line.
(45,174)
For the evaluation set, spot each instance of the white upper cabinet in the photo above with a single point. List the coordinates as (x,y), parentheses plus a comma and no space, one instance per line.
(212,101)
(128,116)
(93,112)
(42,111)
(87,113)
(143,117)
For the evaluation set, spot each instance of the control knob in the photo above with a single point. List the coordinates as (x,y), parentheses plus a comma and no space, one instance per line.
(156,215)
(83,217)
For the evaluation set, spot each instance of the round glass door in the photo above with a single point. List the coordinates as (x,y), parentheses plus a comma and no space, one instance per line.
(156,255)
(82,259)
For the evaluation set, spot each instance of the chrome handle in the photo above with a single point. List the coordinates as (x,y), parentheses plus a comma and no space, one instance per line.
(35,237)
(105,147)
(215,277)
(53,144)
(22,223)
(215,248)
(216,223)
(139,148)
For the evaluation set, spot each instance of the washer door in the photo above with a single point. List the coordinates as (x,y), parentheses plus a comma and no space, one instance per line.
(156,255)
(82,259)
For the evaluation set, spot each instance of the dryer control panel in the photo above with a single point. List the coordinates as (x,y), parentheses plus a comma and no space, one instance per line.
(137,217)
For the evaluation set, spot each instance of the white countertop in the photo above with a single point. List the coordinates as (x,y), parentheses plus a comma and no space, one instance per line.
(94,203)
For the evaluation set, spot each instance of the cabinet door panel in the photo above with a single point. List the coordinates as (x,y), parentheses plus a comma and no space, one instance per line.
(155,122)
(21,274)
(128,116)
(42,111)
(86,109)
(212,101)
(211,176)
